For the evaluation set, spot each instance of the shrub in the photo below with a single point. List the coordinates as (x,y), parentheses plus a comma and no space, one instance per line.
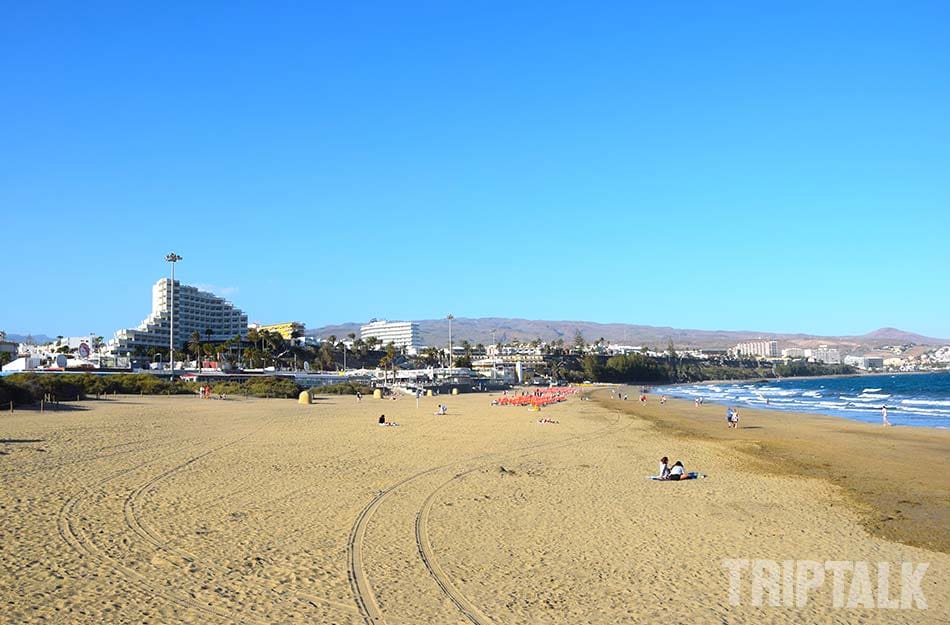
(343,388)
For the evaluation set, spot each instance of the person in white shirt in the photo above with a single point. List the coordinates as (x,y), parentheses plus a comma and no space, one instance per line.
(679,473)
(664,468)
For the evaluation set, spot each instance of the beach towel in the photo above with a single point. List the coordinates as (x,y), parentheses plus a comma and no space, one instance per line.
(692,475)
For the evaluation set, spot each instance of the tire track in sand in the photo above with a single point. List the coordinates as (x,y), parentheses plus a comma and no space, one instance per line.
(468,609)
(71,532)
(150,535)
(363,592)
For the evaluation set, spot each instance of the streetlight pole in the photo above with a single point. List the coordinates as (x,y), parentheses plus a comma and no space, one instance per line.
(172,258)
(494,358)
(450,317)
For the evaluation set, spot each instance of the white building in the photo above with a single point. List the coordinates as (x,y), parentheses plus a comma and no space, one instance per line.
(825,354)
(195,311)
(521,349)
(866,363)
(793,352)
(399,333)
(760,348)
(24,363)
(9,348)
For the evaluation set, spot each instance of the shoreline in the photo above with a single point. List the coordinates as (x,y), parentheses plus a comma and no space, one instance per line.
(896,477)
(830,376)
(804,410)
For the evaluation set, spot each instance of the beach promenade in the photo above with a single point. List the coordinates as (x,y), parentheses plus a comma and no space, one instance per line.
(179,510)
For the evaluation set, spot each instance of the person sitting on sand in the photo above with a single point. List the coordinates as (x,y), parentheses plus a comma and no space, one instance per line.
(664,468)
(546,420)
(442,410)
(679,473)
(382,419)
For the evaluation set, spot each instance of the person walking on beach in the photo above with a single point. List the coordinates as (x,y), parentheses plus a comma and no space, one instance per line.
(884,416)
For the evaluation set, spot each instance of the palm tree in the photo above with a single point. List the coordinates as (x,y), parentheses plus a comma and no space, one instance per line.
(555,369)
(195,344)
(249,354)
(326,356)
(253,336)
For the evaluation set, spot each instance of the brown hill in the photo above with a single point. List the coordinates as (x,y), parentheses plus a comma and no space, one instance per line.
(436,331)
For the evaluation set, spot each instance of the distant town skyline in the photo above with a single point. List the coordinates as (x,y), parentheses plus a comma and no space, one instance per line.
(731,167)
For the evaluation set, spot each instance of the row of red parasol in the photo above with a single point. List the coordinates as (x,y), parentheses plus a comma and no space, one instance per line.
(540,397)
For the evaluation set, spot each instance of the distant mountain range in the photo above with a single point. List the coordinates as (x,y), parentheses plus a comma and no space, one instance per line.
(436,331)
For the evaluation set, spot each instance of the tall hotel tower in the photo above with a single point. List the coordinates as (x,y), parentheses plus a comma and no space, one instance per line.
(195,310)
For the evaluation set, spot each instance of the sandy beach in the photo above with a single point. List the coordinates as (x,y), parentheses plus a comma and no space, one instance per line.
(179,510)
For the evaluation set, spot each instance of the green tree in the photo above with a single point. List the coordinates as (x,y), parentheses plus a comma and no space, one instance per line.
(194,345)
(593,370)
(430,356)
(579,342)
(253,336)
(325,356)
(555,369)
(671,354)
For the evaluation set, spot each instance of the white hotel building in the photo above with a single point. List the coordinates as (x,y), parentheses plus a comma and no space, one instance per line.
(195,310)
(761,349)
(400,333)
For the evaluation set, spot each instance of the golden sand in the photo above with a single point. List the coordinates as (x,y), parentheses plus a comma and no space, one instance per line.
(179,510)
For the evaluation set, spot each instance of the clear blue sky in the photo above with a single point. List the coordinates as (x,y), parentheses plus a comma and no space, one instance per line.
(762,166)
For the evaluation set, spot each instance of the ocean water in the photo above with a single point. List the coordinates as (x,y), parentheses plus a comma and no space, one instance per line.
(921,400)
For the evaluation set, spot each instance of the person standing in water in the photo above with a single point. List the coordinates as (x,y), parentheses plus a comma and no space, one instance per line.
(884,416)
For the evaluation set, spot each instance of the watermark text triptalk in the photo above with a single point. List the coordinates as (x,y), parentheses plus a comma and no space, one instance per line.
(853,583)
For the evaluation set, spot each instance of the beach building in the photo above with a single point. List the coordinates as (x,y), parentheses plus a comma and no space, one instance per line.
(760,348)
(289,330)
(5,345)
(399,333)
(825,354)
(8,349)
(793,352)
(195,311)
(865,363)
(521,349)
(23,363)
